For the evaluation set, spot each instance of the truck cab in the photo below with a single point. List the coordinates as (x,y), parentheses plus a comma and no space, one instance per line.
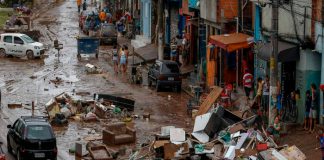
(19,45)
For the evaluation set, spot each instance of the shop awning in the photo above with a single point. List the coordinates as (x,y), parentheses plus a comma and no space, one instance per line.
(287,52)
(231,42)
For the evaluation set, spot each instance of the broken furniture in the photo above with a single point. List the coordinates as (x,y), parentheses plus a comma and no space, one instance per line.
(117,101)
(118,133)
(100,153)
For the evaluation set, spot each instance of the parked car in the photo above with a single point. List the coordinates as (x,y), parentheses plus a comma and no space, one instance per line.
(32,138)
(165,73)
(19,45)
(108,33)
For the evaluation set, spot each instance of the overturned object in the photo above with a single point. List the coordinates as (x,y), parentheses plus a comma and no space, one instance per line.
(118,133)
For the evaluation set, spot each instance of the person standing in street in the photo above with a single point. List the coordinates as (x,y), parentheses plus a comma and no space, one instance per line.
(314,107)
(84,5)
(308,103)
(247,83)
(102,16)
(122,61)
(115,59)
(79,5)
(265,94)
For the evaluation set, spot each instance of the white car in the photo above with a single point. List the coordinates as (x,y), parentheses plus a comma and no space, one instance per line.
(19,45)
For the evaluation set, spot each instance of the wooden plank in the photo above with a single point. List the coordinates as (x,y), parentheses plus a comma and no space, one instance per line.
(208,102)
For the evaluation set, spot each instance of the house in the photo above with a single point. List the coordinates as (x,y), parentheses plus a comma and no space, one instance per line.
(224,17)
(298,64)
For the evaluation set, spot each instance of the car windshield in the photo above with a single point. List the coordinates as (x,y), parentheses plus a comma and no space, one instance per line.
(27,39)
(39,132)
(170,68)
(108,28)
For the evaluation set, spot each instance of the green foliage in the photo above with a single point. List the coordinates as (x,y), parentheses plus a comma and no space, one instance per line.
(4,16)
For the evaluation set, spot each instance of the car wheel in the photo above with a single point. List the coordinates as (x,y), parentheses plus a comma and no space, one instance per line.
(2,53)
(9,148)
(30,55)
(157,87)
(19,157)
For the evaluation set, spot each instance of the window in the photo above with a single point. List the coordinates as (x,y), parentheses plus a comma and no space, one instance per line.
(27,39)
(17,40)
(170,68)
(39,132)
(7,39)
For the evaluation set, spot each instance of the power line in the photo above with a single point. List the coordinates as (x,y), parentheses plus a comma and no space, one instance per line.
(300,14)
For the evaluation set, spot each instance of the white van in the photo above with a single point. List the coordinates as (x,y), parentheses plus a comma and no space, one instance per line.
(19,45)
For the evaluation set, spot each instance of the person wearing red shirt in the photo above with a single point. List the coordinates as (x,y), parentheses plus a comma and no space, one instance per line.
(247,83)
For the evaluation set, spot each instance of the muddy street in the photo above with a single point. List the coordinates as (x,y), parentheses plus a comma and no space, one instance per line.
(23,81)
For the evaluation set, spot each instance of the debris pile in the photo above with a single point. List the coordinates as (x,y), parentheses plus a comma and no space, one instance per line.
(63,107)
(93,69)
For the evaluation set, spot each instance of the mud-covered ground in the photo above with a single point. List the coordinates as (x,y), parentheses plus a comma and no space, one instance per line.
(24,81)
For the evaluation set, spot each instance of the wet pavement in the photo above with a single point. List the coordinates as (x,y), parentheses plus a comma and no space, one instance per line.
(24,81)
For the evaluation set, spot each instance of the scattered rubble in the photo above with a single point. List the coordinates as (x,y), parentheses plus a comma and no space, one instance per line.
(92,69)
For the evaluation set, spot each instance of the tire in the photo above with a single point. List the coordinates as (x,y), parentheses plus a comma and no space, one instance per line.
(2,53)
(30,54)
(9,148)
(19,157)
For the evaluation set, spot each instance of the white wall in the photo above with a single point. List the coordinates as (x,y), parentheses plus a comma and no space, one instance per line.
(286,24)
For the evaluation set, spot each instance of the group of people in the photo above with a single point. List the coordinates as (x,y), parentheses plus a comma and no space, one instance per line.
(263,90)
(120,58)
(180,50)
(262,99)
(311,106)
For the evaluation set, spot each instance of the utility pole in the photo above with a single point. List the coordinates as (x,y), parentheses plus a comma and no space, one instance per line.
(160,29)
(273,62)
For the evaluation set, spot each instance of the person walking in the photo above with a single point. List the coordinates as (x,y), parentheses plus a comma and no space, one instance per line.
(314,106)
(79,5)
(84,5)
(247,83)
(308,103)
(123,60)
(102,16)
(115,59)
(265,94)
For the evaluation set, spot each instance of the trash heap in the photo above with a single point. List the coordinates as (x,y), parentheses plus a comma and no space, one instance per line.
(63,107)
(219,134)
(93,69)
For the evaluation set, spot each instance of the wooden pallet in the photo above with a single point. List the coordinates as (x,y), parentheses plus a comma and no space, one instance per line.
(211,98)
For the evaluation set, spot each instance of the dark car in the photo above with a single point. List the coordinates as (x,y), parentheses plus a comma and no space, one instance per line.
(32,138)
(108,33)
(165,73)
